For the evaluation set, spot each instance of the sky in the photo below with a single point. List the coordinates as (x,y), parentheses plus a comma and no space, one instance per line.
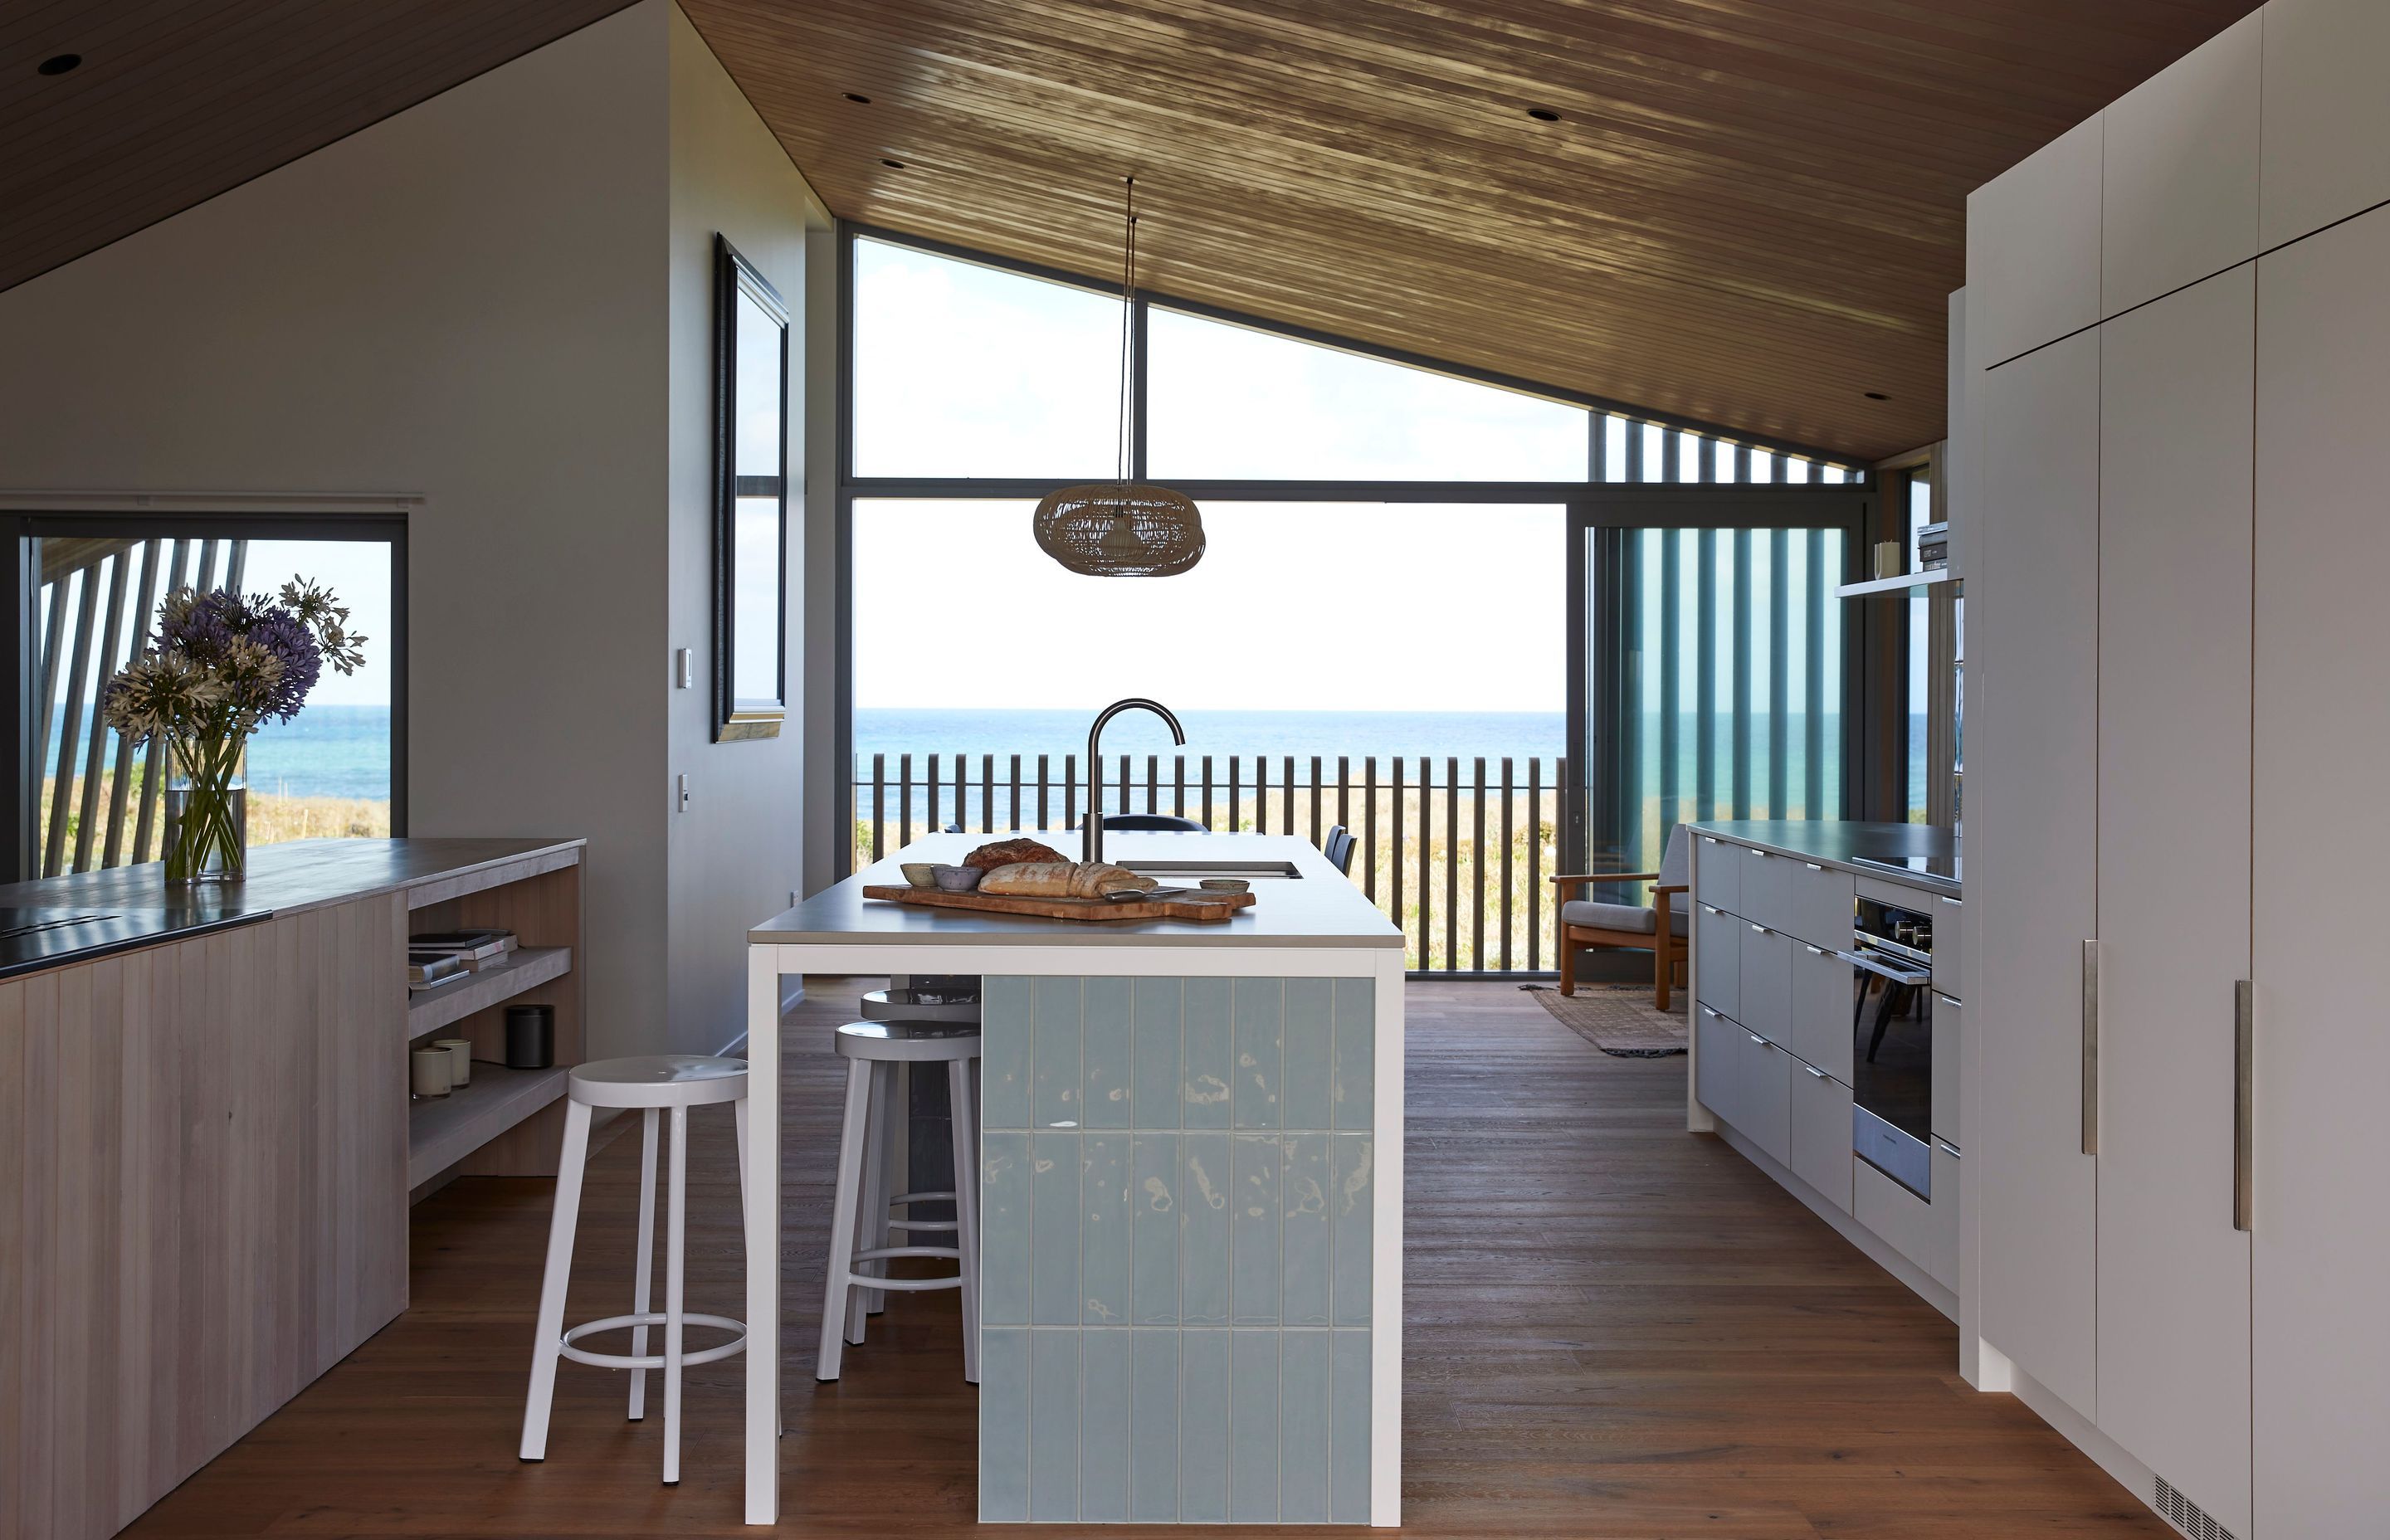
(964,371)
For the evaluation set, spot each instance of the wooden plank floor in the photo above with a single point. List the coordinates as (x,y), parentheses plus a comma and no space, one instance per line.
(1615,1330)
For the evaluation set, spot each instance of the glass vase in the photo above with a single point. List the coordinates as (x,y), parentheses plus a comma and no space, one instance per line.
(207,831)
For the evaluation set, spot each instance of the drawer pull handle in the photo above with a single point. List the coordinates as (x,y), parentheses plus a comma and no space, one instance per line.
(2244,1111)
(1947,1147)
(1813,866)
(1710,910)
(1815,1071)
(1761,929)
(1761,1041)
(1813,951)
(2090,1069)
(1708,1012)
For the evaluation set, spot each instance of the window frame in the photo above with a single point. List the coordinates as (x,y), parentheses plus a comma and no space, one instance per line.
(21,779)
(1677,500)
(737,717)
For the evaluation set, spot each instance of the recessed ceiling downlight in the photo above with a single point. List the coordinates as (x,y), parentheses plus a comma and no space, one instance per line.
(858,99)
(892,165)
(58,64)
(1876,395)
(1542,114)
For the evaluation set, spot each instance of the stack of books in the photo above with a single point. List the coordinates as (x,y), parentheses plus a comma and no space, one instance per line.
(443,957)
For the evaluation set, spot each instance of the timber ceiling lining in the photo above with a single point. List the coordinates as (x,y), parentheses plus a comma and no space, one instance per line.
(178,101)
(1750,212)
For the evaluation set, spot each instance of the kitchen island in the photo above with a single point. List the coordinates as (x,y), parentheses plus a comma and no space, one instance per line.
(1229,1095)
(207,1145)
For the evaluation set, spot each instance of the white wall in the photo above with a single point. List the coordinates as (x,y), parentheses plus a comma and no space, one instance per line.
(490,299)
(735,854)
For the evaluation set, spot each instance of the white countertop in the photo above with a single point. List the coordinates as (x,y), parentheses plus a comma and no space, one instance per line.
(1317,908)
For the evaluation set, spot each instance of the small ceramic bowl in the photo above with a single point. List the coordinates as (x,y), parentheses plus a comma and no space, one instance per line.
(957,879)
(921,874)
(1226,885)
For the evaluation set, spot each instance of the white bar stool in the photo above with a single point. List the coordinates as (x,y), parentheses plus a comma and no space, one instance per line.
(873,1050)
(679,1081)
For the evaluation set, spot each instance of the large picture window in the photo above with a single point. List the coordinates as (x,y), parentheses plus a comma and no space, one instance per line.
(1388,630)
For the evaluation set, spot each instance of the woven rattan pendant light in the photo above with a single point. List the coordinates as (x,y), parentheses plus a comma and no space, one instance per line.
(1122,528)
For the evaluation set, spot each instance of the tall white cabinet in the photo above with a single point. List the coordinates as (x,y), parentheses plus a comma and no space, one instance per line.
(2178,730)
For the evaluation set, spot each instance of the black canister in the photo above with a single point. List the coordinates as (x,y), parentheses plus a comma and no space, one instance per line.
(530,1036)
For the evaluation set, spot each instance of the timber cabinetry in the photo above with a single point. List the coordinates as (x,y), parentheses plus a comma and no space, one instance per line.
(205,1156)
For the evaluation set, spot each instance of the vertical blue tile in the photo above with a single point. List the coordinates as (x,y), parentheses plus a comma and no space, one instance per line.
(1053,1426)
(1153,1103)
(1054,1229)
(1153,1249)
(1003,1425)
(1261,1053)
(1348,1435)
(1305,1381)
(1351,1199)
(1004,1053)
(1204,1048)
(1054,1091)
(1106,1055)
(1204,1189)
(1354,1080)
(1308,1100)
(1252,1427)
(1203,1427)
(1004,1228)
(1103,1427)
(1104,1230)
(1305,1233)
(1254,1222)
(1153,1427)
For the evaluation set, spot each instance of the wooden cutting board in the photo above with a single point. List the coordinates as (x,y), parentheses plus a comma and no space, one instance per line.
(1197,905)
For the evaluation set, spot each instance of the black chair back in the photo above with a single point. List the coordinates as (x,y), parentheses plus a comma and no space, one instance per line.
(1147,821)
(1338,848)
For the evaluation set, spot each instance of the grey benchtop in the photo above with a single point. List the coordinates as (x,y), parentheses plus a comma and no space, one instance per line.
(1840,844)
(1320,908)
(285,878)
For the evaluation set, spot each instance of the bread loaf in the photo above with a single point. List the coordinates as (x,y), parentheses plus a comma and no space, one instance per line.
(1008,853)
(1062,880)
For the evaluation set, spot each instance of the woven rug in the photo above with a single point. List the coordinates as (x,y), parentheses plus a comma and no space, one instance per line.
(1619,1018)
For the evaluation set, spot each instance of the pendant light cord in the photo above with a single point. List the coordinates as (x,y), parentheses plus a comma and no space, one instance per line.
(1128,308)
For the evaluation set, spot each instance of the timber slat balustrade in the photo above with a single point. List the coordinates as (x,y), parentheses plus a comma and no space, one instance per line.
(98,604)
(1494,916)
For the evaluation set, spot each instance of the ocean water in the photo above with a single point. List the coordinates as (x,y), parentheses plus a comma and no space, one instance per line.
(324,751)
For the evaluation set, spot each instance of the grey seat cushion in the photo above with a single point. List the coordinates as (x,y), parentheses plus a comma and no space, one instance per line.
(1624,917)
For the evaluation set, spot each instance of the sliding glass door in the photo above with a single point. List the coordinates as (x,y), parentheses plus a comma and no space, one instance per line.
(1709,668)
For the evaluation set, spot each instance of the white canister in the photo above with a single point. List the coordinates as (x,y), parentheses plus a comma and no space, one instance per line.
(431,1071)
(460,1054)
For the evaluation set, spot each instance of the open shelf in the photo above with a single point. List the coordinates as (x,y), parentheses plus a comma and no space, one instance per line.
(525,967)
(442,1130)
(1894,584)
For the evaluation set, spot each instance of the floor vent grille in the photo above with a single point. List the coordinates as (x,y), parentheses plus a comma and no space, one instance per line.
(2188,1516)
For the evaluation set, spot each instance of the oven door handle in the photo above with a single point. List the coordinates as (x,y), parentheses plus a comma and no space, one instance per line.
(1884,969)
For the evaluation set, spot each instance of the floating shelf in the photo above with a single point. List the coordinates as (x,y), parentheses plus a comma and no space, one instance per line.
(1894,584)
(441,1130)
(525,967)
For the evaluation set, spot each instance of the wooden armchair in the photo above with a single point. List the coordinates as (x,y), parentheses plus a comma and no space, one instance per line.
(1660,928)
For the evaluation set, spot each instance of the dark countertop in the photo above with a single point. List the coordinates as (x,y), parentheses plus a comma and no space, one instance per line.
(1918,854)
(62,919)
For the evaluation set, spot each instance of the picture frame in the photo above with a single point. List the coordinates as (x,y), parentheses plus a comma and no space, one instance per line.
(751,498)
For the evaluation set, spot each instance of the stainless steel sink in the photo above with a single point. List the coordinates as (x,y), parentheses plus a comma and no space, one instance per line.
(1195,871)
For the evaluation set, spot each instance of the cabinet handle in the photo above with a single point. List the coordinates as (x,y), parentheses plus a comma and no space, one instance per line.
(1711,909)
(1761,929)
(2091,1047)
(2244,1111)
(1815,1072)
(1708,1012)
(1761,1041)
(1813,866)
(1947,1147)
(1813,951)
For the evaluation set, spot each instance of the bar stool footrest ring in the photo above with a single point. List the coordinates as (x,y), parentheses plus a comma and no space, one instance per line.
(567,1347)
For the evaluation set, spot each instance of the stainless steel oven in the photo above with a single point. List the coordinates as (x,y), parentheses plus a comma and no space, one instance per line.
(1892,1047)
